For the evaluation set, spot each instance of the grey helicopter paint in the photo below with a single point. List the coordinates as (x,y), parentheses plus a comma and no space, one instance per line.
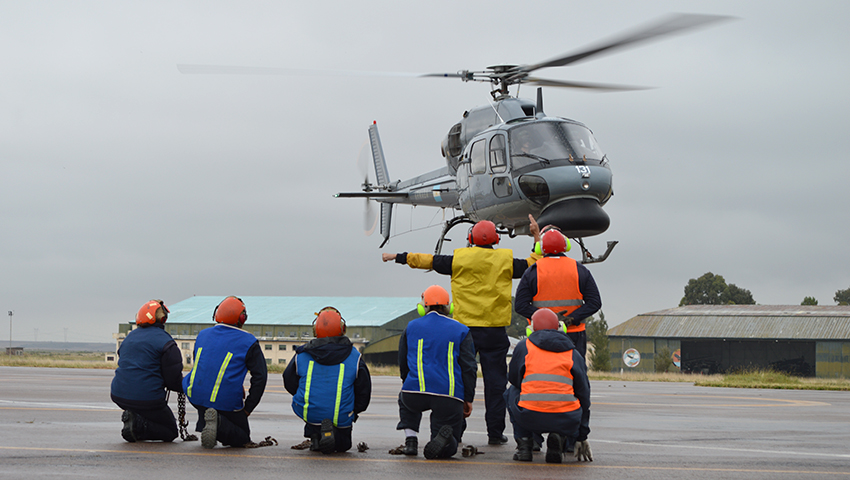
(508,159)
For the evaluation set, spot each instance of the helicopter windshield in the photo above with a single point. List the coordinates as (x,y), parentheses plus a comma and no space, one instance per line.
(544,142)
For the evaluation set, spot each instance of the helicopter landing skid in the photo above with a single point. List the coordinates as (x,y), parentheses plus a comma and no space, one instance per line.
(587,257)
(449,225)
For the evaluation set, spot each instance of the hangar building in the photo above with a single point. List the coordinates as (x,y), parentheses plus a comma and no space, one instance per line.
(283,323)
(801,340)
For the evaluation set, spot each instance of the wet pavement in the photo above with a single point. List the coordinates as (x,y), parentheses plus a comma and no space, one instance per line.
(61,423)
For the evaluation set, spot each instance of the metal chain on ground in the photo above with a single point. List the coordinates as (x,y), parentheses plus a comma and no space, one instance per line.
(181,415)
(268,442)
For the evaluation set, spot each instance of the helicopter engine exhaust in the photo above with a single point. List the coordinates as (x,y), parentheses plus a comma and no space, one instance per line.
(576,217)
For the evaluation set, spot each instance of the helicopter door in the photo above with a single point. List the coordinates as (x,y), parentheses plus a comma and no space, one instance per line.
(499,167)
(478,188)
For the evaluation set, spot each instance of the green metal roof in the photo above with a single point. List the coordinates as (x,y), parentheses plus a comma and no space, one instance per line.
(796,322)
(357,311)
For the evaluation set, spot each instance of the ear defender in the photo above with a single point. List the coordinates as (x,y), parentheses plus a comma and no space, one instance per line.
(421,309)
(569,243)
(538,249)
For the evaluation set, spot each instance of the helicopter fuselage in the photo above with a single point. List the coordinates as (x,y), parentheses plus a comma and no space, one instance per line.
(550,167)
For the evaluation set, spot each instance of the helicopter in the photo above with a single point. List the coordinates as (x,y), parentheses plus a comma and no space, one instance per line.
(508,159)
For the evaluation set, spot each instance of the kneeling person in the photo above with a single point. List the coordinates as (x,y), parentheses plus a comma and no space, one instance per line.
(436,359)
(549,391)
(330,384)
(224,354)
(149,364)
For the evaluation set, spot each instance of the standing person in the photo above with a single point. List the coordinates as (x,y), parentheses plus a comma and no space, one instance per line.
(149,364)
(549,392)
(437,365)
(224,354)
(481,286)
(330,384)
(561,284)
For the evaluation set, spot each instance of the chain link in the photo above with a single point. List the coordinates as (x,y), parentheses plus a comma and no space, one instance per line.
(181,414)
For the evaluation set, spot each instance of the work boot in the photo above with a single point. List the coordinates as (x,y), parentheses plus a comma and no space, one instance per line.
(210,432)
(327,443)
(411,446)
(523,450)
(435,447)
(314,442)
(500,440)
(129,418)
(554,448)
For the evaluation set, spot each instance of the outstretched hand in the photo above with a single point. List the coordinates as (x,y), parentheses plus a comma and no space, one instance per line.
(534,228)
(388,257)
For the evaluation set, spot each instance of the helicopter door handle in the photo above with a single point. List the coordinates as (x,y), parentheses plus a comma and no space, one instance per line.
(583,170)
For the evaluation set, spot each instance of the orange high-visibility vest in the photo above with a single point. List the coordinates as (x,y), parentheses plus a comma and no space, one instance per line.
(547,385)
(557,287)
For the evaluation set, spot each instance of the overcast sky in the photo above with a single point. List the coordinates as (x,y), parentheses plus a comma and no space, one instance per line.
(122,179)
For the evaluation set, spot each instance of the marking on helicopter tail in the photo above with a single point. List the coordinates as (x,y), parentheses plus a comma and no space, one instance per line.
(436,192)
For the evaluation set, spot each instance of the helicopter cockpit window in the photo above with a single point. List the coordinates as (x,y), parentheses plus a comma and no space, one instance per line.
(477,157)
(498,155)
(582,142)
(544,142)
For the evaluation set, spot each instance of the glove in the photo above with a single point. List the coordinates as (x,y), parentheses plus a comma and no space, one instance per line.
(582,452)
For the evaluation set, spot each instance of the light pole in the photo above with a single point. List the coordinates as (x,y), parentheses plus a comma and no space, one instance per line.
(10,332)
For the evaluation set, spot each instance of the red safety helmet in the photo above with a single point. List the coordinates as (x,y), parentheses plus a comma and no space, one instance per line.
(154,311)
(544,319)
(231,311)
(553,242)
(328,323)
(483,233)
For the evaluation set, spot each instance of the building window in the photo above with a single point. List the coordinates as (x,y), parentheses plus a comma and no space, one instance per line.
(268,361)
(185,345)
(268,346)
(281,361)
(282,346)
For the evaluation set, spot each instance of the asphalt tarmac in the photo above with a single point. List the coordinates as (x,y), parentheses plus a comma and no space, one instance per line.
(60,423)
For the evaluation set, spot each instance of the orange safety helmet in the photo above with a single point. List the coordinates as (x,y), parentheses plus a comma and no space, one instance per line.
(554,242)
(433,296)
(544,319)
(154,311)
(231,311)
(328,323)
(483,233)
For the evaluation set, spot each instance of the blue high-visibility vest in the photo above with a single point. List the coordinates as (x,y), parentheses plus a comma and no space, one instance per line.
(219,372)
(326,391)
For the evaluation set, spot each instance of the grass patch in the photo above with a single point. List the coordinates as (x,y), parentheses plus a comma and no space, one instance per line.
(57,359)
(745,379)
(774,380)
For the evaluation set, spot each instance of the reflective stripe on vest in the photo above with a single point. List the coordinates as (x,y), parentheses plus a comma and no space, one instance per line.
(338,392)
(548,383)
(558,288)
(220,375)
(194,369)
(451,363)
(307,388)
(419,370)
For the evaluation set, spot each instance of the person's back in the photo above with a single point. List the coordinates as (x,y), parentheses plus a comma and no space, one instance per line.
(330,384)
(224,354)
(149,364)
(549,390)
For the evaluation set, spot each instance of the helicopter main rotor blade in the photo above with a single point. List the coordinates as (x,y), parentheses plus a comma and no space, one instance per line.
(668,25)
(241,70)
(602,87)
